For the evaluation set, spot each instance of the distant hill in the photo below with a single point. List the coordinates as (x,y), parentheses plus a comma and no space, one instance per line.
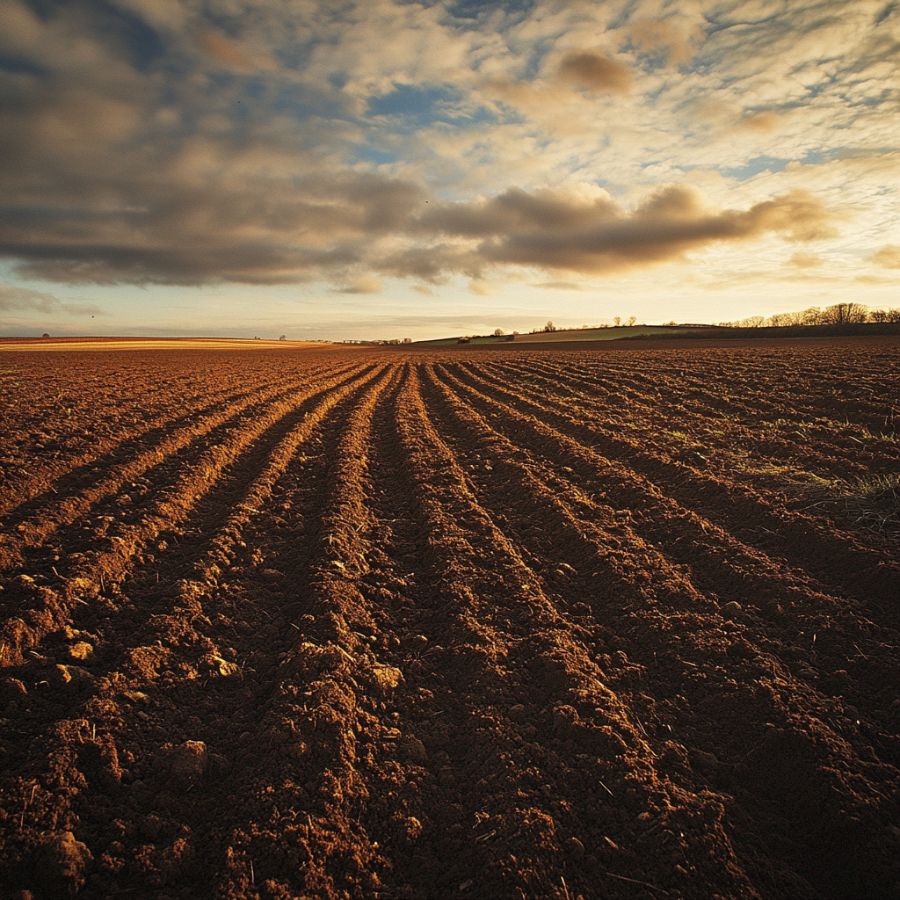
(701,332)
(584,334)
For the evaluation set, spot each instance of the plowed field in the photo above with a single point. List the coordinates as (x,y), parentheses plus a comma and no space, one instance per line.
(361,623)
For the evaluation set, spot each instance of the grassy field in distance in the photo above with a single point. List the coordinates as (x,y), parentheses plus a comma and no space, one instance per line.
(576,334)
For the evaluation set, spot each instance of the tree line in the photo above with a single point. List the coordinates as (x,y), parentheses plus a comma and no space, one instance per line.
(837,314)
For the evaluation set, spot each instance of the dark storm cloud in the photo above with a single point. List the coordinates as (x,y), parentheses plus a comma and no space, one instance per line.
(513,211)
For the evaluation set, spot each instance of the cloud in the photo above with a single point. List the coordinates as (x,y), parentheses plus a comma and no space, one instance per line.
(230,142)
(676,41)
(194,228)
(764,121)
(224,51)
(550,230)
(805,260)
(430,262)
(559,285)
(887,257)
(14,299)
(596,72)
(363,284)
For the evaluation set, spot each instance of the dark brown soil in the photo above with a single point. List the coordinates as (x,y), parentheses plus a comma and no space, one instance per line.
(314,623)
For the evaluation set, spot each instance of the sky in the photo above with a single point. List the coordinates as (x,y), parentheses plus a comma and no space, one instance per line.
(384,169)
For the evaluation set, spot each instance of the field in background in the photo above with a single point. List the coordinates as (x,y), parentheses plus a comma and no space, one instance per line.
(575,334)
(583,337)
(115,343)
(448,623)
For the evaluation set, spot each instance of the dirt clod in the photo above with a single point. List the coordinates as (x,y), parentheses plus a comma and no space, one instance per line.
(414,749)
(62,864)
(386,679)
(72,676)
(187,763)
(222,667)
(81,651)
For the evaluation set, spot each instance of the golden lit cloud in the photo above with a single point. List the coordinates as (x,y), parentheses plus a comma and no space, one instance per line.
(362,284)
(676,41)
(805,260)
(887,257)
(350,147)
(222,50)
(552,230)
(764,121)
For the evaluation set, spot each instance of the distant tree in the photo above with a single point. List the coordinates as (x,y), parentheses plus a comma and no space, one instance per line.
(407,340)
(631,320)
(617,321)
(845,314)
(549,326)
(836,314)
(516,332)
(283,337)
(498,332)
(811,316)
(45,335)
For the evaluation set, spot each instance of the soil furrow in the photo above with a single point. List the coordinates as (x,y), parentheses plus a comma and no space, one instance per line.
(163,670)
(672,634)
(409,623)
(837,559)
(132,475)
(801,620)
(511,654)
(84,412)
(47,482)
(735,444)
(45,608)
(320,711)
